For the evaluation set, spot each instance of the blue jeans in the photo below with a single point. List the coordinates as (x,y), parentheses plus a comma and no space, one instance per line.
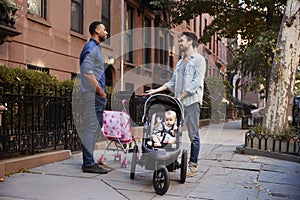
(192,115)
(93,122)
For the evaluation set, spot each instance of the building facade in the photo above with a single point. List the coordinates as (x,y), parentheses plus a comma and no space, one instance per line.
(139,54)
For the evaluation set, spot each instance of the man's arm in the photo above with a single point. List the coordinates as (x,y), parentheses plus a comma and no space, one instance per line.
(160,89)
(94,83)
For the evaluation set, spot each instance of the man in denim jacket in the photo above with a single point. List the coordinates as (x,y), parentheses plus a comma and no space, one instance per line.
(187,83)
(92,73)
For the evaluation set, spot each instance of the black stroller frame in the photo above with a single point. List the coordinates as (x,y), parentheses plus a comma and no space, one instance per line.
(161,160)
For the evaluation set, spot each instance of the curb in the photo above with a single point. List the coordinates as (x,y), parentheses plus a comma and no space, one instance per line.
(270,154)
(14,165)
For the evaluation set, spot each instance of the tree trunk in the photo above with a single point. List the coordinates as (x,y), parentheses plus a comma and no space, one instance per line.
(286,61)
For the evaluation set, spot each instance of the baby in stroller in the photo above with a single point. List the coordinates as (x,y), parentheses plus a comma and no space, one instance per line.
(164,132)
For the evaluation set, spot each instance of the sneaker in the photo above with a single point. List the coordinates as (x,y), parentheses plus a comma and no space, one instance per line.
(192,171)
(94,169)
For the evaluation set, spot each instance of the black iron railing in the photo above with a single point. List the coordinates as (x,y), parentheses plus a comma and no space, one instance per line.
(268,142)
(42,119)
(36,120)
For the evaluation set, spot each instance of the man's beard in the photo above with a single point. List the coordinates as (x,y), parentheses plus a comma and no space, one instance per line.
(102,39)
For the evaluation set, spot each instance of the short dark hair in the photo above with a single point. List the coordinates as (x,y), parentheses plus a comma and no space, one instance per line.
(191,37)
(93,26)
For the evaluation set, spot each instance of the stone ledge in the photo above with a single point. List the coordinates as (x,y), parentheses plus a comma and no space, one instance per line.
(270,154)
(23,163)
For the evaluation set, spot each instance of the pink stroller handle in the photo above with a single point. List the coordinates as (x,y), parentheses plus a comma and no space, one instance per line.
(123,104)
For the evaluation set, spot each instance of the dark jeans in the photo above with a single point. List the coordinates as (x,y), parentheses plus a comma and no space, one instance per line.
(192,115)
(93,122)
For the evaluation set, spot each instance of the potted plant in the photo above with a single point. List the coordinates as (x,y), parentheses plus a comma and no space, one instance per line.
(8,9)
(9,5)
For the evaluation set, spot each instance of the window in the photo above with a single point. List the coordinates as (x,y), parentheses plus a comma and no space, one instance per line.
(147,42)
(37,7)
(77,16)
(129,34)
(106,17)
(37,68)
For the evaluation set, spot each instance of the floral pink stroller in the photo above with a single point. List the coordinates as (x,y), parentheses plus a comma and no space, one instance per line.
(116,128)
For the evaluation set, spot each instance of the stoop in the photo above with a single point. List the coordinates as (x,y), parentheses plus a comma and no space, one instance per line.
(14,165)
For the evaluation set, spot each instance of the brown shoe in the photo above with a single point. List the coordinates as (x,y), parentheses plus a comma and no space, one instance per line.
(192,171)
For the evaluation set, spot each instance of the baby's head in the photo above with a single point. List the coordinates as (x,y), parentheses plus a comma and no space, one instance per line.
(170,117)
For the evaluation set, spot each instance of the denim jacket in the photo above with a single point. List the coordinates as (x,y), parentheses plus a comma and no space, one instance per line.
(193,79)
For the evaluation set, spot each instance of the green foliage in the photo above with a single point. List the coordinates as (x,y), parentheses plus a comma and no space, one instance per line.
(257,22)
(14,77)
(288,132)
(259,129)
(283,133)
(21,89)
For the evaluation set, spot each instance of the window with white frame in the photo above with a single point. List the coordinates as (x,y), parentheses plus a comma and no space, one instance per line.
(77,16)
(37,7)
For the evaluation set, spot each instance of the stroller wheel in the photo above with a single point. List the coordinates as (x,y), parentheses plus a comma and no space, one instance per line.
(161,180)
(183,166)
(133,161)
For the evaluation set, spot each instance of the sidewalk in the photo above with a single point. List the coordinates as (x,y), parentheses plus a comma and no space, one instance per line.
(223,174)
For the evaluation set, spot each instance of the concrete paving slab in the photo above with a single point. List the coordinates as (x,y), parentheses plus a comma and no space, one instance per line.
(241,158)
(133,195)
(49,187)
(287,168)
(280,178)
(231,164)
(219,155)
(70,167)
(223,183)
(274,190)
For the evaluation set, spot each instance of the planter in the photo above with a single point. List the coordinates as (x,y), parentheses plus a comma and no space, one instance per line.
(272,143)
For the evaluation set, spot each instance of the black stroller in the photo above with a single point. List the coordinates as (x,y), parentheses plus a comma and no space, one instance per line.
(164,159)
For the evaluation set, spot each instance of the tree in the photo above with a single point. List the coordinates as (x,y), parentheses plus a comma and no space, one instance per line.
(255,21)
(286,61)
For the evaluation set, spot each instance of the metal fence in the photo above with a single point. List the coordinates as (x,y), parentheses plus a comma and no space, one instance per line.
(36,119)
(41,119)
(284,144)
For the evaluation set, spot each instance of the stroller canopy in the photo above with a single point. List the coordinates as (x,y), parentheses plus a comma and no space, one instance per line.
(161,103)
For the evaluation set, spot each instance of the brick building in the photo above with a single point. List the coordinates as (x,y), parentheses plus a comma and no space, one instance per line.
(49,36)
